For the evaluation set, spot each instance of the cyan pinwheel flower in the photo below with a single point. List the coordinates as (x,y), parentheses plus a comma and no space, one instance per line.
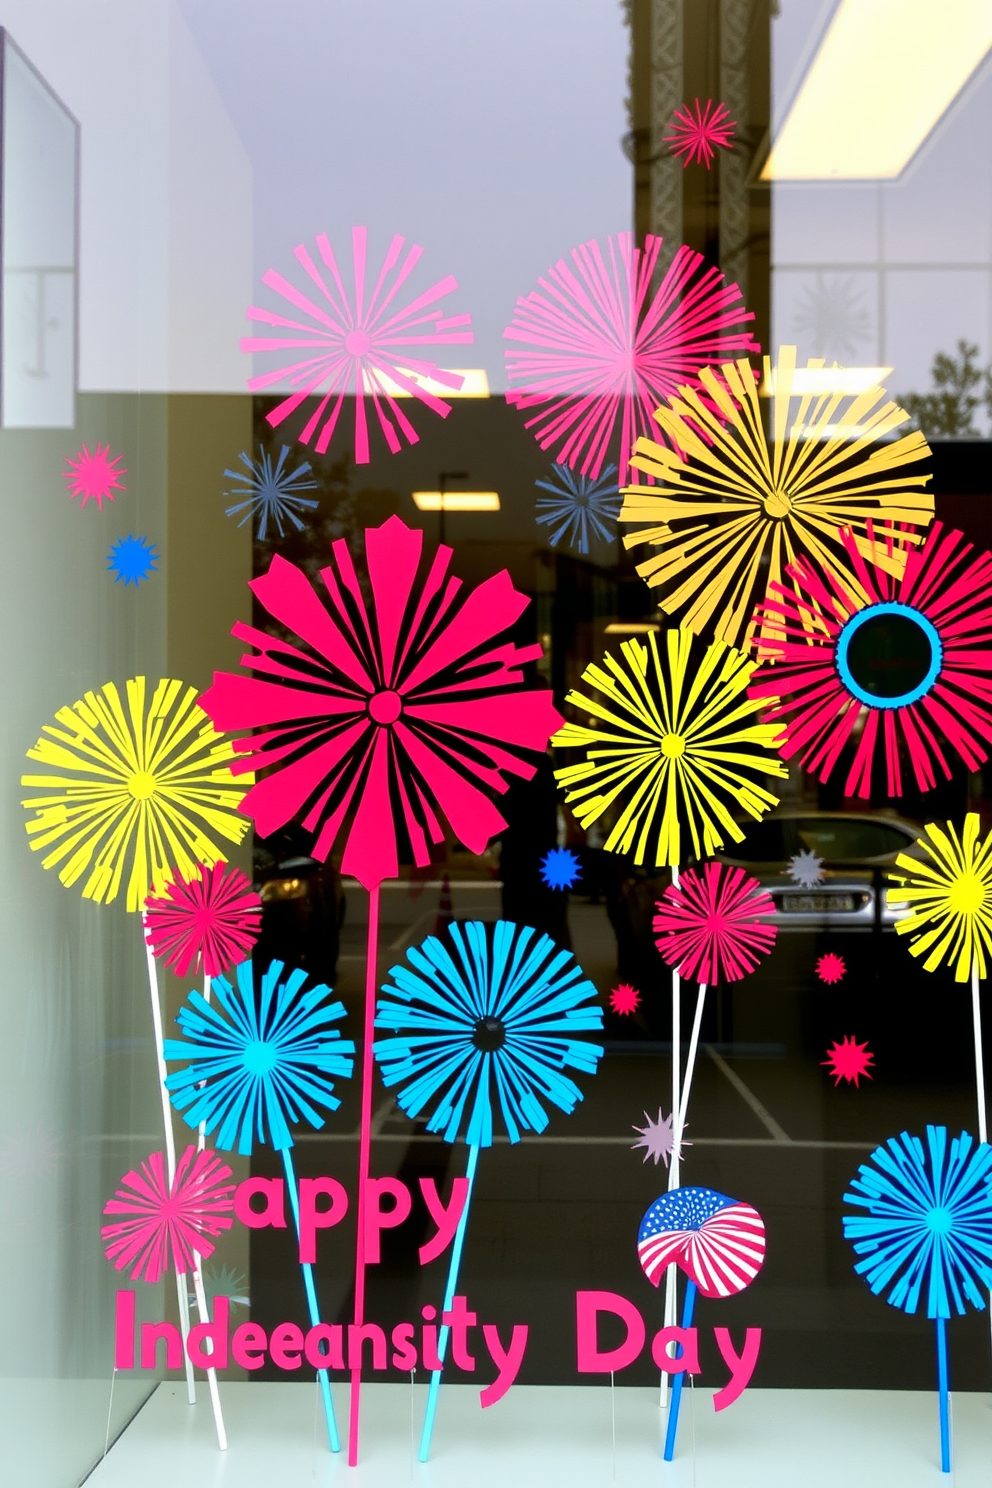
(255,1064)
(928,1222)
(491,1016)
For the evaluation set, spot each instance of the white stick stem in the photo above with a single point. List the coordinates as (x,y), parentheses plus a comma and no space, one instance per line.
(201,1136)
(170,1143)
(976,1018)
(671,1276)
(201,1307)
(690,1065)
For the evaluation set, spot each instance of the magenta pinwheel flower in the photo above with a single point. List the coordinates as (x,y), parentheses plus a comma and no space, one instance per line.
(714,927)
(383,720)
(896,667)
(169,1224)
(698,130)
(213,920)
(361,343)
(597,348)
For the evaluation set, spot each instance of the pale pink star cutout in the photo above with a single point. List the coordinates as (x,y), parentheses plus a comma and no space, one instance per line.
(657,1138)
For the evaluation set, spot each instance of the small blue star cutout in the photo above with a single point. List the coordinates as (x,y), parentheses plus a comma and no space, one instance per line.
(132,559)
(560,868)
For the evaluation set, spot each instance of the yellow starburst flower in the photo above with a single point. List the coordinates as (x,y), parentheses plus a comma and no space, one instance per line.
(733,509)
(950,894)
(678,746)
(142,783)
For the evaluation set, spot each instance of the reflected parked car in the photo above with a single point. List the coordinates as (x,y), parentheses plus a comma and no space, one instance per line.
(857,851)
(303,905)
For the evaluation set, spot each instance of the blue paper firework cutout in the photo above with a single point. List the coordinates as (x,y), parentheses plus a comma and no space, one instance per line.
(132,560)
(270,491)
(927,1225)
(257,1062)
(577,506)
(560,868)
(486,1021)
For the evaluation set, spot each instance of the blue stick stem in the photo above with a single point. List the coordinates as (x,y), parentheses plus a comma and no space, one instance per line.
(449,1297)
(679,1380)
(945,1421)
(314,1310)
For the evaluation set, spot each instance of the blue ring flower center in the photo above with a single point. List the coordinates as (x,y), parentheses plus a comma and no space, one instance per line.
(260,1057)
(888,655)
(489,1035)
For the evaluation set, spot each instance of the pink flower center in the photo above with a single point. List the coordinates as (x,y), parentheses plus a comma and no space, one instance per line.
(357,343)
(385,707)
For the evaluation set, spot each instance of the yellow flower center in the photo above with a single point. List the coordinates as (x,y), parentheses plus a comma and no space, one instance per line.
(672,745)
(778,504)
(142,785)
(966,894)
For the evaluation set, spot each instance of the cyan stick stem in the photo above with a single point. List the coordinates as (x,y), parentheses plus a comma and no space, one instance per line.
(314,1310)
(449,1297)
(679,1380)
(945,1419)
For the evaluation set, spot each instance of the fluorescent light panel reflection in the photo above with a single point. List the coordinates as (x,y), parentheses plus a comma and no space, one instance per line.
(816,380)
(631,627)
(476,384)
(885,74)
(456,501)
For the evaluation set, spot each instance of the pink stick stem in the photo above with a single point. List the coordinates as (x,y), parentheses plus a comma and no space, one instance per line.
(364,1153)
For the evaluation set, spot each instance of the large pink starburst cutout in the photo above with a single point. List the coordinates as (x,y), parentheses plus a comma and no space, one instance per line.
(378,723)
(94,475)
(830,968)
(848,1060)
(352,340)
(714,927)
(597,349)
(214,920)
(169,1224)
(657,1138)
(699,130)
(896,668)
(625,999)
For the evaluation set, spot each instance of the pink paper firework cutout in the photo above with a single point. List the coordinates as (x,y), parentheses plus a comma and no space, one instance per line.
(94,475)
(714,927)
(718,1242)
(213,921)
(849,1060)
(596,350)
(362,340)
(830,968)
(698,130)
(169,1225)
(625,999)
(384,719)
(893,669)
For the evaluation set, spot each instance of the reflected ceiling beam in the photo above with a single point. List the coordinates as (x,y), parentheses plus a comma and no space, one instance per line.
(885,74)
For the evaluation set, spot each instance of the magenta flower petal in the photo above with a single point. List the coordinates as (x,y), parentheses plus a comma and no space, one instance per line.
(713,928)
(214,920)
(834,664)
(166,1225)
(377,722)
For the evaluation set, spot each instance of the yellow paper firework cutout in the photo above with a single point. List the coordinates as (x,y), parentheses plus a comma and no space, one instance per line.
(949,892)
(133,785)
(674,748)
(730,513)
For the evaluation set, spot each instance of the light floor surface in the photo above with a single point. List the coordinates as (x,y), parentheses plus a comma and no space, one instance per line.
(545,1436)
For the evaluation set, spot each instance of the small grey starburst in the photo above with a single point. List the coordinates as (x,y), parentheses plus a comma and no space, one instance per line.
(806,869)
(832,318)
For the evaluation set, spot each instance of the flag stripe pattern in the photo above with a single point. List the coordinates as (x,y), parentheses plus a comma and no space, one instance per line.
(718,1242)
